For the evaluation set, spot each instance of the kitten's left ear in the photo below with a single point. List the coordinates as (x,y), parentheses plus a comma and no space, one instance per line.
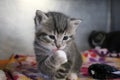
(40,17)
(75,23)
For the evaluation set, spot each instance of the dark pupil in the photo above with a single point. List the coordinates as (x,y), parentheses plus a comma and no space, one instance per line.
(65,38)
(52,37)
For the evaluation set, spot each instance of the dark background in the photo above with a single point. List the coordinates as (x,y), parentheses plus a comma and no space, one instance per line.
(115,15)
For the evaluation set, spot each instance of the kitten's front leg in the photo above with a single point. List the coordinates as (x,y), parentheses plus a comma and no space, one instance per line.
(60,58)
(53,62)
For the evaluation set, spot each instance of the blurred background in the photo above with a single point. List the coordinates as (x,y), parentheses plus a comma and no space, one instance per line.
(17,24)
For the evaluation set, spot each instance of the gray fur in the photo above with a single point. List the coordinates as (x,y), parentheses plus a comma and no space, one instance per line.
(55,30)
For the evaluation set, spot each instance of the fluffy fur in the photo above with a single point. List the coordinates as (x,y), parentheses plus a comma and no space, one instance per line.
(54,36)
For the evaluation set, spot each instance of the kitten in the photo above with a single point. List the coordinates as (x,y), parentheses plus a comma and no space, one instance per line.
(56,53)
(110,40)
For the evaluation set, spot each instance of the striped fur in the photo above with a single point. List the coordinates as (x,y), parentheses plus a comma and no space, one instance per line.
(55,30)
(59,21)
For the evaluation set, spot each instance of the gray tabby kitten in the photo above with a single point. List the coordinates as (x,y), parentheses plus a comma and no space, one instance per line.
(56,53)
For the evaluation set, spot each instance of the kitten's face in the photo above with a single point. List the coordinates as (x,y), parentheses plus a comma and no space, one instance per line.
(54,30)
(53,40)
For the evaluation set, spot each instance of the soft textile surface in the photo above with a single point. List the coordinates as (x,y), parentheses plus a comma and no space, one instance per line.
(23,67)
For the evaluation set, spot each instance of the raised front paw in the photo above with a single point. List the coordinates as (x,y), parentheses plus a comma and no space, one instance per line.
(72,76)
(60,57)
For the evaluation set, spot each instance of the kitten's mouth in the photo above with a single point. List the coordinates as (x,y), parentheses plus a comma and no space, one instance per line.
(54,50)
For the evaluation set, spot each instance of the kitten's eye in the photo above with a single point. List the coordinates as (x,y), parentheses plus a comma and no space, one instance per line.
(52,36)
(65,38)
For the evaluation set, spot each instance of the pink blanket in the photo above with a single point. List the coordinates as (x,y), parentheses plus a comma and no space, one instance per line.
(26,69)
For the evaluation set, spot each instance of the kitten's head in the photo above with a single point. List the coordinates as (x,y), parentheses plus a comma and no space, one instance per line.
(97,38)
(54,30)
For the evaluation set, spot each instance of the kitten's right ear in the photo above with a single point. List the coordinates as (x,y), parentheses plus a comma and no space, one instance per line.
(40,17)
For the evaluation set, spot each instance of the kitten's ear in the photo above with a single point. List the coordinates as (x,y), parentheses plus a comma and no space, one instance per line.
(40,17)
(75,23)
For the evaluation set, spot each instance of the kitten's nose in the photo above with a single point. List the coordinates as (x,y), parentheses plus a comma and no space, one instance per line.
(58,46)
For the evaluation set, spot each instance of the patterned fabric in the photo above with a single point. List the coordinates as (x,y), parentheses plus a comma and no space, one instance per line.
(24,67)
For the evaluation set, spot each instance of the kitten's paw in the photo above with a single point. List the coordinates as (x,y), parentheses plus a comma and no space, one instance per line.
(60,57)
(72,76)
